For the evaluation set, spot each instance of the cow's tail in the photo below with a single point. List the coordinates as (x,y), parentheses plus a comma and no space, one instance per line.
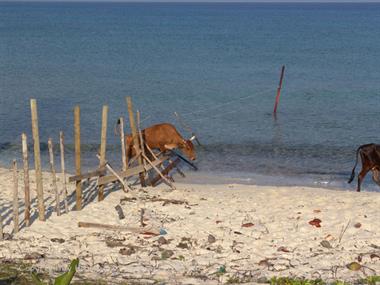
(356,163)
(116,130)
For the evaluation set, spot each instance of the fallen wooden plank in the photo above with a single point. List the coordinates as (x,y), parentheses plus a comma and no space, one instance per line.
(158,172)
(145,230)
(156,179)
(130,172)
(126,188)
(98,172)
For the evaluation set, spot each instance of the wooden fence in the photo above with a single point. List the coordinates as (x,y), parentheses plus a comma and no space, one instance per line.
(145,162)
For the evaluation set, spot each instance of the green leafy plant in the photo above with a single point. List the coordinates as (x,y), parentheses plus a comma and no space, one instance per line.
(371,280)
(64,279)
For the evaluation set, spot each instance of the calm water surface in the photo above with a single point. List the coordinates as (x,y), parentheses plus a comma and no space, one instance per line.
(217,65)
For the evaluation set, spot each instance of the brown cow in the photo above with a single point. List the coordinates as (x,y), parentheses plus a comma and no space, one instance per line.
(370,156)
(163,137)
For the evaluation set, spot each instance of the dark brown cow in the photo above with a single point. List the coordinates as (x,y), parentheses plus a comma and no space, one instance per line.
(163,137)
(370,156)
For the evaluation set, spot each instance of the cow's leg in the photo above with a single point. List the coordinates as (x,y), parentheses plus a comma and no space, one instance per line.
(361,176)
(376,175)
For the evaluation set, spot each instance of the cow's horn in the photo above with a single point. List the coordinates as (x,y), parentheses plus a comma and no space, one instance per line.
(192,138)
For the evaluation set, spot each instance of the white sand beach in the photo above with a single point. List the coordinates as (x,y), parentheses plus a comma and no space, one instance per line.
(214,233)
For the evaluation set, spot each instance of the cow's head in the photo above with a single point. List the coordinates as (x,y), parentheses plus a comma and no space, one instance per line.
(188,149)
(186,146)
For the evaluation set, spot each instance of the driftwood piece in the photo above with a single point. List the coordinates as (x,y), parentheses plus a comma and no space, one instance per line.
(149,230)
(120,212)
(169,201)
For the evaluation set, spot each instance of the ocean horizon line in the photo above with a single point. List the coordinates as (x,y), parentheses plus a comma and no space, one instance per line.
(193,2)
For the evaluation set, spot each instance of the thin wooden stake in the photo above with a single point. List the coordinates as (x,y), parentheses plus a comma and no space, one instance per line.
(1,227)
(103,146)
(141,145)
(63,170)
(135,137)
(37,160)
(15,197)
(122,141)
(54,177)
(25,160)
(78,189)
(279,90)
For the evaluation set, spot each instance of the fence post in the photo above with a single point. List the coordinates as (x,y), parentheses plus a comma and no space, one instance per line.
(122,141)
(1,227)
(62,148)
(37,160)
(78,189)
(135,136)
(140,135)
(103,146)
(15,197)
(25,160)
(54,177)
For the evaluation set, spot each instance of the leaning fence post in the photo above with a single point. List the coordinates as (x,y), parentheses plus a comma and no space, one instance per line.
(25,160)
(37,160)
(78,189)
(122,141)
(54,177)
(62,148)
(103,146)
(15,197)
(135,136)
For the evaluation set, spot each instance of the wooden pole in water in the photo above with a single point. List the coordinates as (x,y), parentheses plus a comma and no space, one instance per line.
(62,148)
(54,177)
(122,141)
(37,160)
(279,90)
(103,146)
(135,136)
(26,178)
(78,189)
(15,197)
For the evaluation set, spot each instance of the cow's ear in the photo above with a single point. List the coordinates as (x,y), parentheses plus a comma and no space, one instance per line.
(171,146)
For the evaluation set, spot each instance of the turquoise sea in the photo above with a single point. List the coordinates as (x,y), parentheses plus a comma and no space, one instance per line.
(217,65)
